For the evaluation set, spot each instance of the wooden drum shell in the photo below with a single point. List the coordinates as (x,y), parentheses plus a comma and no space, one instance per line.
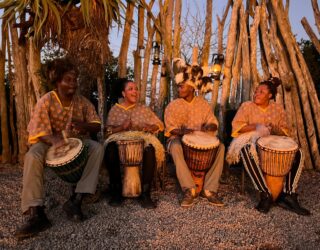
(275,162)
(131,158)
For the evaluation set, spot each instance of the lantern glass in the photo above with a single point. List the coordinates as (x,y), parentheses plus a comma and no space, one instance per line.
(217,61)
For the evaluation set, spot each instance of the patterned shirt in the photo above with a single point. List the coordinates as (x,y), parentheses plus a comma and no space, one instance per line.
(250,113)
(50,117)
(192,114)
(139,115)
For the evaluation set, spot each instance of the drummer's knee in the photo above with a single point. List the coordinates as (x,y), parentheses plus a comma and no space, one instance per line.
(222,148)
(95,146)
(175,146)
(37,151)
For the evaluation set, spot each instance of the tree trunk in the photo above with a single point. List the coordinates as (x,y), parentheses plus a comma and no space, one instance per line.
(311,34)
(236,69)
(6,154)
(246,69)
(146,63)
(253,47)
(286,35)
(207,36)
(296,118)
(140,46)
(14,148)
(34,67)
(228,64)
(125,40)
(216,83)
(316,12)
(176,38)
(166,15)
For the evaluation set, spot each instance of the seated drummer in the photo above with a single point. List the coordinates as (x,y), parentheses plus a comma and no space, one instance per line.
(184,115)
(125,116)
(58,110)
(267,117)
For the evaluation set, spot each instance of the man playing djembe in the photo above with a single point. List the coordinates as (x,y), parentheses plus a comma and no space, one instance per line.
(260,118)
(184,115)
(58,110)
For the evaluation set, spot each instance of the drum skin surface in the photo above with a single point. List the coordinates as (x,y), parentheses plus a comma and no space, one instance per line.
(68,166)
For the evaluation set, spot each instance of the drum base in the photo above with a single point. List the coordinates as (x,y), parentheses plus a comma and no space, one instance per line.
(198,178)
(131,182)
(275,185)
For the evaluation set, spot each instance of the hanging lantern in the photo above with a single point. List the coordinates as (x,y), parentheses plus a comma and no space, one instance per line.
(216,68)
(156,53)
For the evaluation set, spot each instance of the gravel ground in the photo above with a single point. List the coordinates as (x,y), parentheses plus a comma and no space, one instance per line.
(236,226)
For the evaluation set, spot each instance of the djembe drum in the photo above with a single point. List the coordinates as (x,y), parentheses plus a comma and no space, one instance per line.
(69,160)
(131,157)
(199,149)
(276,156)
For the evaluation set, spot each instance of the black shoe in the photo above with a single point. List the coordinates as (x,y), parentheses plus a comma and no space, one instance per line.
(72,207)
(145,198)
(146,201)
(36,223)
(265,202)
(116,198)
(290,202)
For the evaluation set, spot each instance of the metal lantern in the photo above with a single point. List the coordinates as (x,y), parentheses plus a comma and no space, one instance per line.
(217,61)
(156,53)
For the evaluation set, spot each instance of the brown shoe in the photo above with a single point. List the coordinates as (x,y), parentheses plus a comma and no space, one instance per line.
(212,197)
(190,198)
(37,222)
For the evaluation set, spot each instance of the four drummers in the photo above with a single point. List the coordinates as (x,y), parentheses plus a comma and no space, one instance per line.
(64,110)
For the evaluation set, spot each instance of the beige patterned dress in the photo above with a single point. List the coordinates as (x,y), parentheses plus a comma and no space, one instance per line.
(139,115)
(50,117)
(250,113)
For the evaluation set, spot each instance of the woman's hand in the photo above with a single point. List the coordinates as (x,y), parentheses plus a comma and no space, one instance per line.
(126,125)
(209,127)
(263,130)
(150,128)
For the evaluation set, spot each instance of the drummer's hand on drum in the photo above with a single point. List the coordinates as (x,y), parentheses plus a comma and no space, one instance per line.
(79,127)
(149,128)
(184,130)
(262,129)
(126,125)
(209,127)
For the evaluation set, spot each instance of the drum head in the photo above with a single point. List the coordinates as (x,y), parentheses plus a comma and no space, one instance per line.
(278,143)
(54,161)
(200,140)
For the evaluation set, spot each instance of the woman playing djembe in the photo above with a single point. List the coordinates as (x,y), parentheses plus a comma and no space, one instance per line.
(260,118)
(126,120)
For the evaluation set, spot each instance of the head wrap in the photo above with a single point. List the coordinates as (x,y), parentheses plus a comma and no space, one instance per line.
(191,75)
